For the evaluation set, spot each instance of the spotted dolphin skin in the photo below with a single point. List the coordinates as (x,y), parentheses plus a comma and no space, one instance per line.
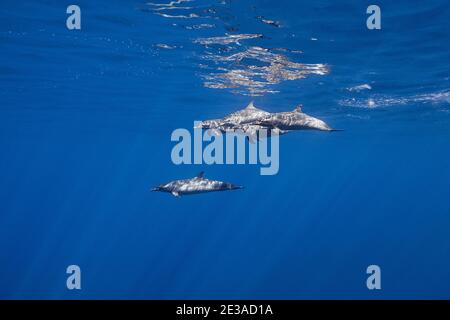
(294,120)
(244,120)
(195,185)
(248,115)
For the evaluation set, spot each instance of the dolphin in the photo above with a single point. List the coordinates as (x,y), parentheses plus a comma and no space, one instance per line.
(294,120)
(195,185)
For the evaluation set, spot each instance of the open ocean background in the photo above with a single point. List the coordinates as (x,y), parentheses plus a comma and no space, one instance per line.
(85,124)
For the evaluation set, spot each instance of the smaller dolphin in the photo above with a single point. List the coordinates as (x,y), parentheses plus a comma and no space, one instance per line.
(195,185)
(294,120)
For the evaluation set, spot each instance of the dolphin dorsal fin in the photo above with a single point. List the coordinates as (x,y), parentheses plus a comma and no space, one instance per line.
(200,175)
(298,108)
(250,106)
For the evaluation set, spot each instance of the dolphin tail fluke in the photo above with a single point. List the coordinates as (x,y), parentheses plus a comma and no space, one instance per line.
(252,138)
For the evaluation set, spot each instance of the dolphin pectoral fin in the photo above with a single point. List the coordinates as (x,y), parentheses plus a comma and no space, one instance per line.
(276,131)
(176,194)
(252,138)
(214,132)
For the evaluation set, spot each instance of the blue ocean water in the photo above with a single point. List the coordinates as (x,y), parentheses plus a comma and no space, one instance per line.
(85,123)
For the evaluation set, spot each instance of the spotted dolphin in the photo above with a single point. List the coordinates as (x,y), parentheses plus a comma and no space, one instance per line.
(195,185)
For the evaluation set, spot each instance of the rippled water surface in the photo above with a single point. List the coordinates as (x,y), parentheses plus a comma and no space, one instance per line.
(85,124)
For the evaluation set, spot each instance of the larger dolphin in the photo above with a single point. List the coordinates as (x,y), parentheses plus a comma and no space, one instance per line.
(195,185)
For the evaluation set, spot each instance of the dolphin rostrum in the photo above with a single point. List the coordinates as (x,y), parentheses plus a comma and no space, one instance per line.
(195,185)
(294,120)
